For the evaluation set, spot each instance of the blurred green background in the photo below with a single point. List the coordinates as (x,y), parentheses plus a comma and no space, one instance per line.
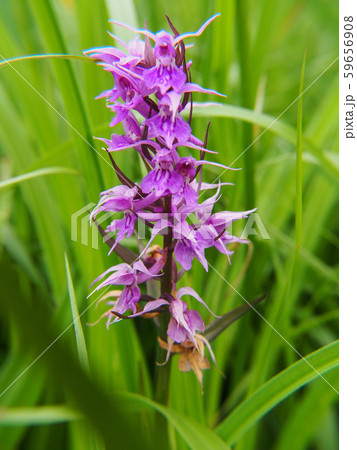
(93,388)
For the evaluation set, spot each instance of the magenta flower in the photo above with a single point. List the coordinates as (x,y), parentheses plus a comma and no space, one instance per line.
(152,87)
(190,245)
(163,178)
(168,124)
(129,277)
(165,74)
(216,226)
(118,198)
(126,200)
(123,228)
(184,322)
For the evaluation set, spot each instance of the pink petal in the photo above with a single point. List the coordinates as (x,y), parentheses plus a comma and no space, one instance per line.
(195,320)
(176,332)
(227,217)
(197,33)
(134,30)
(193,87)
(184,255)
(217,164)
(177,309)
(150,306)
(189,291)
(119,268)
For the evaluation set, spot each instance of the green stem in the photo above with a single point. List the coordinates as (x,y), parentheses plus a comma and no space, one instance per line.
(166,279)
(247,88)
(163,372)
(247,96)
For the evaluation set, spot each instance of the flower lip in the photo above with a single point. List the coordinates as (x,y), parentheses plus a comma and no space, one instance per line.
(164,51)
(186,167)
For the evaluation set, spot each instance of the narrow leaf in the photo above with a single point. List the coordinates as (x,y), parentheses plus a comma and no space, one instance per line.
(36,173)
(125,254)
(196,435)
(40,415)
(269,123)
(80,341)
(121,175)
(299,154)
(245,415)
(306,416)
(49,56)
(219,325)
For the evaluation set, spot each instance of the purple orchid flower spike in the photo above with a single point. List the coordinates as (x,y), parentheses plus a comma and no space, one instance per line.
(129,277)
(122,199)
(152,86)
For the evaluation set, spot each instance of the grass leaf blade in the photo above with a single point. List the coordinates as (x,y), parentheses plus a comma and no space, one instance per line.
(80,341)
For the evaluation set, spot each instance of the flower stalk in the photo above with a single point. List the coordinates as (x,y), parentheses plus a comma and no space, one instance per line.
(163,371)
(152,86)
(166,280)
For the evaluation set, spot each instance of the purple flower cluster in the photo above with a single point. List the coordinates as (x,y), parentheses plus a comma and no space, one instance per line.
(152,87)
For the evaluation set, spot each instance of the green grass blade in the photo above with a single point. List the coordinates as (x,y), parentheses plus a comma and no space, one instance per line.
(299,167)
(49,56)
(314,322)
(308,257)
(80,340)
(20,253)
(196,435)
(276,390)
(306,416)
(269,123)
(70,90)
(124,11)
(40,415)
(248,93)
(36,173)
(96,404)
